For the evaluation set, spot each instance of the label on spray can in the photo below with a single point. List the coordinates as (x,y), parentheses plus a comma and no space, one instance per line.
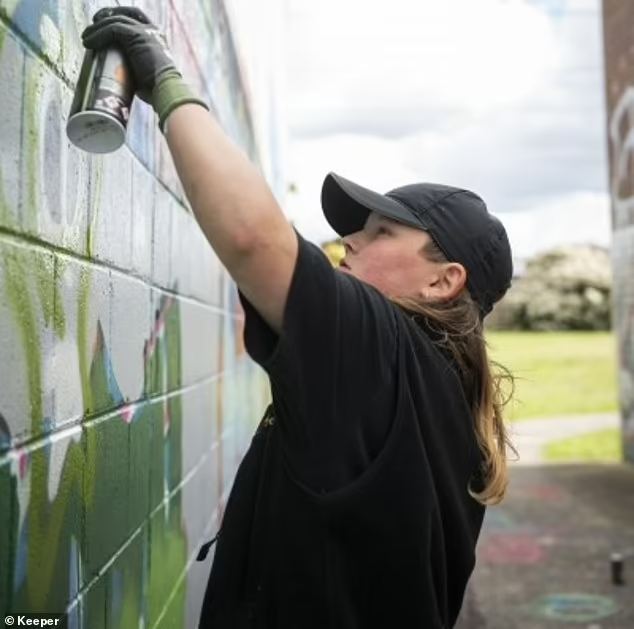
(101,106)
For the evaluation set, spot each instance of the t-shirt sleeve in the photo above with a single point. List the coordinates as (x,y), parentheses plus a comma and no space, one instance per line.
(332,359)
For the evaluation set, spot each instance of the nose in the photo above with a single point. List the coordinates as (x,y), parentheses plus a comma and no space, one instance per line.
(351,243)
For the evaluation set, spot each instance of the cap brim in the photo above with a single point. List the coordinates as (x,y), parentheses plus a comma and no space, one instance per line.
(346,206)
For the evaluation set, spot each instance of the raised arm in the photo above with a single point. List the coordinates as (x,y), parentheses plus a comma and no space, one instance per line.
(236,210)
(232,202)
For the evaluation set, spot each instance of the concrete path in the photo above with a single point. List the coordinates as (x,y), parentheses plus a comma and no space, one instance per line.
(531,435)
(543,559)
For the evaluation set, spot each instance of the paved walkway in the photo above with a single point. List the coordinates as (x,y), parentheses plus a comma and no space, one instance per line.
(531,435)
(543,559)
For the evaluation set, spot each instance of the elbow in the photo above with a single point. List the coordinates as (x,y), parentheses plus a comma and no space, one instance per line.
(259,240)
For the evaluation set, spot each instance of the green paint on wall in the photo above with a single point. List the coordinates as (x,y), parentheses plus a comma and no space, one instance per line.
(6,218)
(96,183)
(31,149)
(4,17)
(93,504)
(82,339)
(49,295)
(168,551)
(17,295)
(96,597)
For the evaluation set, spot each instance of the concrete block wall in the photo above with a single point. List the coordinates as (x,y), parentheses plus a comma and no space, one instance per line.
(618,36)
(126,397)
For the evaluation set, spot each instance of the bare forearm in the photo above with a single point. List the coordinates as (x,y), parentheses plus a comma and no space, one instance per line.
(231,200)
(233,204)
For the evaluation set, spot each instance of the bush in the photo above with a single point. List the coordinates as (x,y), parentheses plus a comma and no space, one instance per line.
(568,288)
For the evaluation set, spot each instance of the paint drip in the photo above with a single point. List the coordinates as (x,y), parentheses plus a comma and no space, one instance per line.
(100,109)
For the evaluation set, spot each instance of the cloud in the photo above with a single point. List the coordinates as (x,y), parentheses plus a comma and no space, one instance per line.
(503,97)
(535,220)
(363,67)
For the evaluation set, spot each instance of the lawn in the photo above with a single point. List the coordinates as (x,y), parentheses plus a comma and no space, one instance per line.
(601,445)
(558,373)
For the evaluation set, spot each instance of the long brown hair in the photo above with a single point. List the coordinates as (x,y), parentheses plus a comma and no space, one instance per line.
(457,327)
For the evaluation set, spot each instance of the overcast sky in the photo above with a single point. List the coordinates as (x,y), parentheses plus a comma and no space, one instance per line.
(504,97)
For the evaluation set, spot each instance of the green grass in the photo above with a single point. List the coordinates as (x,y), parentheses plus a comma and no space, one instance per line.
(558,373)
(601,445)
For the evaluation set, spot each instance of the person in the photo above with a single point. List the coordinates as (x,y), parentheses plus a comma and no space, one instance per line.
(360,500)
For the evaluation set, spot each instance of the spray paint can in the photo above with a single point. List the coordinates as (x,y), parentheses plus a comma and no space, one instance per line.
(100,109)
(617,569)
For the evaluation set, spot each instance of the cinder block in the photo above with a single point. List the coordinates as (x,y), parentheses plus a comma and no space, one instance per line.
(206,271)
(162,348)
(107,462)
(27,320)
(130,329)
(11,78)
(158,419)
(158,12)
(167,171)
(210,406)
(94,608)
(233,329)
(73,18)
(195,586)
(140,436)
(173,441)
(200,514)
(126,586)
(197,419)
(200,501)
(50,483)
(242,414)
(214,278)
(82,374)
(111,208)
(228,446)
(200,336)
(174,616)
(181,254)
(55,176)
(143,193)
(28,19)
(165,416)
(168,558)
(53,30)
(164,208)
(140,136)
(8,533)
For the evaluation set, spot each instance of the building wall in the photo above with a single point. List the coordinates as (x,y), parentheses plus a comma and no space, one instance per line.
(126,397)
(618,17)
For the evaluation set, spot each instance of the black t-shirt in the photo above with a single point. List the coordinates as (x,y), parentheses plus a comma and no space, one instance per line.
(364,482)
(331,370)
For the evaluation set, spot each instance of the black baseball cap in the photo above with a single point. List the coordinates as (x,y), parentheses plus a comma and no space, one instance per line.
(458,221)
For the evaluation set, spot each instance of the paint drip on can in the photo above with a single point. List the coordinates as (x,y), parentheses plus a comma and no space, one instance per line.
(100,109)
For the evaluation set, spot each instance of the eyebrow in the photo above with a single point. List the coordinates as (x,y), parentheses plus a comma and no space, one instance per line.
(387,219)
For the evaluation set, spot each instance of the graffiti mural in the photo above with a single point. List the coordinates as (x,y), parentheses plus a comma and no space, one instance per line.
(574,608)
(126,397)
(619,77)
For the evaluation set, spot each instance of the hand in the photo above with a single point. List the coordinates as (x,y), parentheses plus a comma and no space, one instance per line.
(156,79)
(143,45)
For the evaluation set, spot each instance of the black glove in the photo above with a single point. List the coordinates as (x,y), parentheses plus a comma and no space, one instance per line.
(156,79)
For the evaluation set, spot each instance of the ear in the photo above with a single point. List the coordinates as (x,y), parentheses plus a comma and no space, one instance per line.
(449,283)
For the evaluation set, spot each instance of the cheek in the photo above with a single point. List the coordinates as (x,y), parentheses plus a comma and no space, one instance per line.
(390,272)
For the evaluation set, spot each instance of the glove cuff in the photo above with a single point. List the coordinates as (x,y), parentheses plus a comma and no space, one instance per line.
(170,92)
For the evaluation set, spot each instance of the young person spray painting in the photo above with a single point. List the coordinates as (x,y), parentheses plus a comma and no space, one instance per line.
(361,498)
